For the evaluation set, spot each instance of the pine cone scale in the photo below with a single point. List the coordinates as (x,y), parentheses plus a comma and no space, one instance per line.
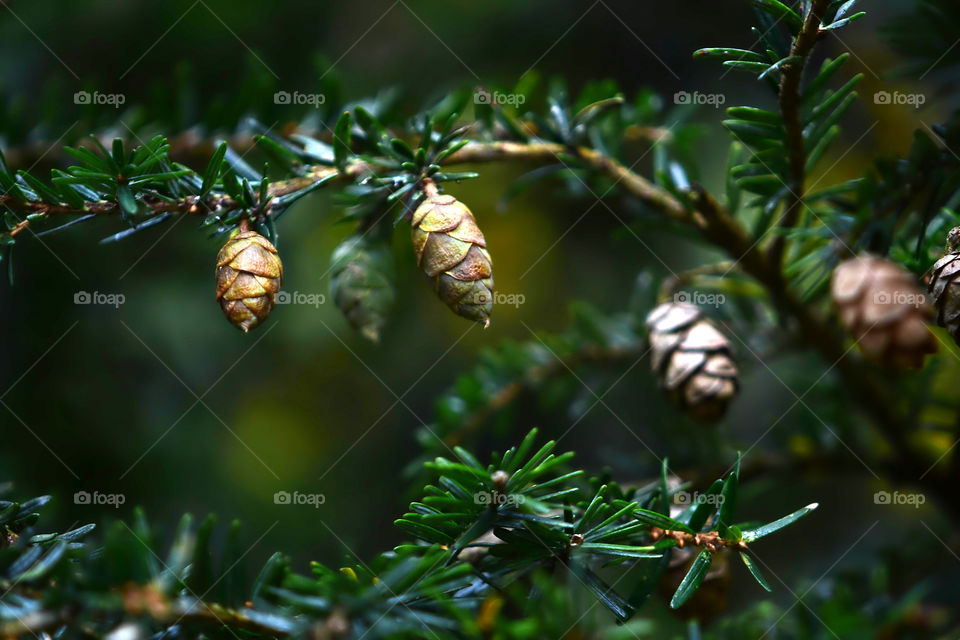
(468,231)
(670,317)
(441,216)
(441,253)
(683,364)
(474,266)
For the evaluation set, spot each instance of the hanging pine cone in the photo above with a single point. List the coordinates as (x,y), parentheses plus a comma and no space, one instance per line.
(362,283)
(693,360)
(882,308)
(945,286)
(249,274)
(451,250)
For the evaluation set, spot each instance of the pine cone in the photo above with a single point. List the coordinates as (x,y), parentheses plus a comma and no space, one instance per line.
(945,286)
(249,274)
(883,310)
(693,360)
(451,250)
(362,283)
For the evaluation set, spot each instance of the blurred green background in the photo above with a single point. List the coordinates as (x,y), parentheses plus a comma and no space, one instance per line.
(162,401)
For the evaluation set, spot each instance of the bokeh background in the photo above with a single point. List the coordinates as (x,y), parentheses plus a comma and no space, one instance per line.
(162,401)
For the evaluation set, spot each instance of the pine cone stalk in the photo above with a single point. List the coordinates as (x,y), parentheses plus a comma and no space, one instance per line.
(882,308)
(693,360)
(249,275)
(452,251)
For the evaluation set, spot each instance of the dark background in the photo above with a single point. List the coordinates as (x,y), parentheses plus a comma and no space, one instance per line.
(106,399)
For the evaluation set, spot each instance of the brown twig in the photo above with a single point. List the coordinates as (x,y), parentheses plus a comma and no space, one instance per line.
(709,540)
(791,75)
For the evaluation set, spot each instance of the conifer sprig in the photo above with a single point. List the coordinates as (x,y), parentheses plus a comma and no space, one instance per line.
(477,530)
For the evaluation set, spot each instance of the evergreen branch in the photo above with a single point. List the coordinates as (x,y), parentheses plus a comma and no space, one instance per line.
(407,171)
(813,330)
(474,152)
(522,525)
(189,147)
(188,205)
(524,511)
(707,216)
(789,100)
(719,228)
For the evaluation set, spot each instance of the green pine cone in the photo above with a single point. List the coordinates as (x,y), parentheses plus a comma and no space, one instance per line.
(451,250)
(362,283)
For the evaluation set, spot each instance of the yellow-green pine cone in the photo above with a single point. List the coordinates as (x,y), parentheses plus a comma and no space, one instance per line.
(451,250)
(249,274)
(362,283)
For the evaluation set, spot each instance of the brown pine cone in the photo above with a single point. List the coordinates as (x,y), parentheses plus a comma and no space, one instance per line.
(882,308)
(249,274)
(692,359)
(944,286)
(451,250)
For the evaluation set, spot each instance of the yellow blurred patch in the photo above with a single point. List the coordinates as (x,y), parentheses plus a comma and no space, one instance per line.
(271,436)
(801,446)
